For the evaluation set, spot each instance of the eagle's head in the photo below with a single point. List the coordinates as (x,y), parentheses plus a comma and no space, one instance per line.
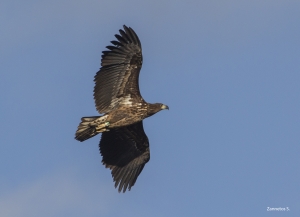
(156,107)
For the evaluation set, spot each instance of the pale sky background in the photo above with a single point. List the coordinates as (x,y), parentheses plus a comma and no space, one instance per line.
(229,71)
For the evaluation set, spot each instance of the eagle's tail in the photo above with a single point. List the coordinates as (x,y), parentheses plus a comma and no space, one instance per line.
(86,128)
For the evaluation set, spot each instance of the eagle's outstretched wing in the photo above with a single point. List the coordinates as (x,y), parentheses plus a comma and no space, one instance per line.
(117,79)
(125,151)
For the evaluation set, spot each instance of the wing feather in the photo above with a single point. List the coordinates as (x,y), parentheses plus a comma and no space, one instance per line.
(125,151)
(116,43)
(120,39)
(125,36)
(118,76)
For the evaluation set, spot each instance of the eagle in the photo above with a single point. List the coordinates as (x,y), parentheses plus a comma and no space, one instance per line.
(124,145)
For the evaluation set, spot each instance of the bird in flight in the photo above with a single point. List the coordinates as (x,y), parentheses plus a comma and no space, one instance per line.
(124,145)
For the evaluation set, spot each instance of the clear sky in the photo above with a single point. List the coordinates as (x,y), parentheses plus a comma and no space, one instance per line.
(228,70)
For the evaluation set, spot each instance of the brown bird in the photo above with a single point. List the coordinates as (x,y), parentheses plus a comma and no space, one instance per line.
(124,144)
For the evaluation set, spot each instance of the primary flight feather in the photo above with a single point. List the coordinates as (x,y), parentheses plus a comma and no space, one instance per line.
(124,145)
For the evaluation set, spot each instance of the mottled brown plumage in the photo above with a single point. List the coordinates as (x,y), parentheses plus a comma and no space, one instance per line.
(124,144)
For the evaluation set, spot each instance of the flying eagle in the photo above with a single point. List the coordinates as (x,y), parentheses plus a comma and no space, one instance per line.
(124,145)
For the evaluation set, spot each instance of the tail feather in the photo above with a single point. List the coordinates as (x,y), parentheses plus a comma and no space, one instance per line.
(85,129)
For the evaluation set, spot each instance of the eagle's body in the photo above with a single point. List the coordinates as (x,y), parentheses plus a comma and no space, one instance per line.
(124,144)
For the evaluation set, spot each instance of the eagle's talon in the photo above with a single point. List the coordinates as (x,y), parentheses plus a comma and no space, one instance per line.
(102,127)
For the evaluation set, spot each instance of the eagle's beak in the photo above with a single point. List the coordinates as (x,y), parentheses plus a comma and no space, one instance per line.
(165,107)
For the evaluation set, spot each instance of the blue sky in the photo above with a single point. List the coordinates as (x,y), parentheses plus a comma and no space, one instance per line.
(229,71)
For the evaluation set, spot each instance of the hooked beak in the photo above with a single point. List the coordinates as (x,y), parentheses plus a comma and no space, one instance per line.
(165,107)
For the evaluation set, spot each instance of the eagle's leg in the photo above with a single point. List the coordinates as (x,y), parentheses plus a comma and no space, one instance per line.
(102,127)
